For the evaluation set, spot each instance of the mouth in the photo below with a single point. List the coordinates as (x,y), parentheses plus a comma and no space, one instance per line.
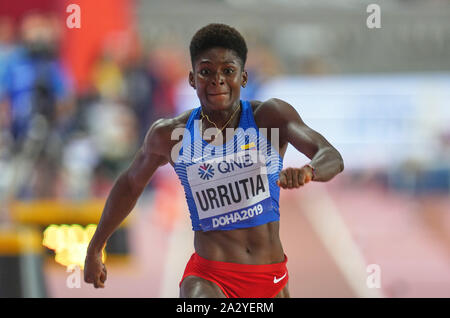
(218,97)
(218,94)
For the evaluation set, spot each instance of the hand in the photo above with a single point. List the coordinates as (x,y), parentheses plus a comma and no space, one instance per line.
(95,270)
(292,178)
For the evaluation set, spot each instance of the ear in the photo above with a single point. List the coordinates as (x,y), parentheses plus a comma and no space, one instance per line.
(244,78)
(191,80)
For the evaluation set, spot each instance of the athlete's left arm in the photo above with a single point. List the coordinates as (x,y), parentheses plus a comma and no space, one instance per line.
(325,159)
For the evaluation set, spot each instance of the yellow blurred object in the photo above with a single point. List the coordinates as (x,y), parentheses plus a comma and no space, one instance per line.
(45,212)
(108,79)
(19,240)
(70,243)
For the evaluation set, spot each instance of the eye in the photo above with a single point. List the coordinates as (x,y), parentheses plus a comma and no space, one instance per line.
(228,70)
(204,72)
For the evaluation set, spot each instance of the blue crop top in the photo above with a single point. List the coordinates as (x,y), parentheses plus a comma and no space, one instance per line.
(233,185)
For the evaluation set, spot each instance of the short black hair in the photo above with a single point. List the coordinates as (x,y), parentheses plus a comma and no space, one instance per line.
(218,35)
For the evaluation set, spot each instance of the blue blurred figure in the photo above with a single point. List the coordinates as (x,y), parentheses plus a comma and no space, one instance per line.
(33,81)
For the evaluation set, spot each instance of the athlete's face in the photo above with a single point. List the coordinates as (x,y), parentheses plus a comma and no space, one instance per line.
(217,77)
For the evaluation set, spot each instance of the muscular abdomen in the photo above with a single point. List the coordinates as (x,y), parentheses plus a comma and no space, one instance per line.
(256,245)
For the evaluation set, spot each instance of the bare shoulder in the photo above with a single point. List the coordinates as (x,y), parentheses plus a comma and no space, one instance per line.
(164,126)
(160,138)
(273,113)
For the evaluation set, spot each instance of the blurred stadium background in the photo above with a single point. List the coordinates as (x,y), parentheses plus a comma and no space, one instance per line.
(76,103)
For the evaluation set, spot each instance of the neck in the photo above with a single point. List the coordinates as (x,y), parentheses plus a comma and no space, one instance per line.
(220,117)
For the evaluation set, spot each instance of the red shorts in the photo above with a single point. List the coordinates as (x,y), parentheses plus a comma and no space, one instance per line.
(240,280)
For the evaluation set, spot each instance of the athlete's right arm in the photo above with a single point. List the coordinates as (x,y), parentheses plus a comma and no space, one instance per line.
(124,195)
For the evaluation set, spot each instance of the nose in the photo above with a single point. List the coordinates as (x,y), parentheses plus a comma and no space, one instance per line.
(218,79)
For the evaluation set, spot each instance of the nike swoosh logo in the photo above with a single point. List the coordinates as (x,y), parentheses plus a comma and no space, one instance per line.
(277,280)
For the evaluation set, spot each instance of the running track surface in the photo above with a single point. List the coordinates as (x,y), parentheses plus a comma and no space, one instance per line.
(408,238)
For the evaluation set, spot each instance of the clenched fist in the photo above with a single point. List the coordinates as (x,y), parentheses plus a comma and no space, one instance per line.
(95,270)
(292,178)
